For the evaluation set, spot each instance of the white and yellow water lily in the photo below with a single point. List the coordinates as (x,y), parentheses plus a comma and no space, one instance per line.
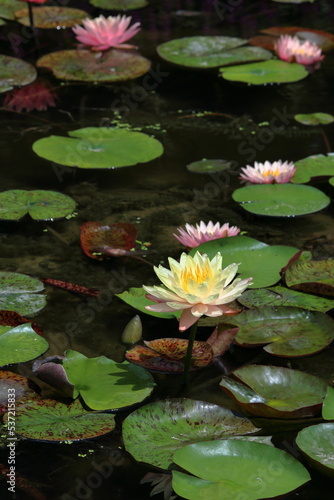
(198,286)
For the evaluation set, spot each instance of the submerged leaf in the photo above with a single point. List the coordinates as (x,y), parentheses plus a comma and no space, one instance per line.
(120,235)
(13,384)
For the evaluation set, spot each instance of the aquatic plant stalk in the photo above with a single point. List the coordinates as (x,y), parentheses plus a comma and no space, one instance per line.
(187,361)
(31,16)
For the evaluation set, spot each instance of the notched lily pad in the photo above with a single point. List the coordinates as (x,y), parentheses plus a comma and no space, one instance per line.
(311,276)
(20,344)
(266,391)
(155,431)
(15,73)
(52,17)
(313,166)
(39,204)
(317,443)
(265,72)
(113,65)
(18,292)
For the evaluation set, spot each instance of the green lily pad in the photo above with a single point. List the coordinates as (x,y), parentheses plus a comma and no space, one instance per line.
(8,7)
(136,297)
(265,72)
(281,200)
(113,65)
(331,181)
(236,470)
(209,166)
(313,166)
(317,443)
(99,147)
(328,406)
(18,293)
(311,276)
(15,72)
(199,51)
(266,391)
(51,17)
(155,431)
(20,344)
(285,331)
(261,261)
(49,420)
(19,389)
(314,118)
(104,384)
(281,296)
(40,205)
(119,4)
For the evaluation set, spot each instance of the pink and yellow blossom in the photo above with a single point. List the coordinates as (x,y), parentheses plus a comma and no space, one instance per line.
(102,33)
(268,173)
(192,236)
(292,49)
(196,286)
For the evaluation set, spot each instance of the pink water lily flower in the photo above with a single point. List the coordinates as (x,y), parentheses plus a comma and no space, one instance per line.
(193,236)
(102,33)
(196,286)
(290,48)
(268,173)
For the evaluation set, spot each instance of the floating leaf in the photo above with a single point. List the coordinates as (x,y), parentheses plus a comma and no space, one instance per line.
(234,470)
(266,391)
(261,261)
(317,442)
(136,297)
(14,386)
(40,205)
(104,384)
(209,166)
(311,276)
(20,344)
(99,147)
(8,7)
(18,293)
(285,331)
(314,118)
(52,17)
(155,431)
(15,72)
(221,338)
(49,420)
(262,73)
(120,235)
(114,65)
(313,166)
(280,200)
(199,51)
(119,4)
(328,406)
(266,42)
(281,296)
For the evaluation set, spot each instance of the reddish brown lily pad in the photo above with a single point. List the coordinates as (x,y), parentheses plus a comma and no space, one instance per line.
(51,17)
(118,236)
(266,42)
(87,66)
(13,318)
(221,338)
(14,386)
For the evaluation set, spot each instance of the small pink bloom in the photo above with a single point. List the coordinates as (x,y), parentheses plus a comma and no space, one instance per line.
(35,96)
(102,33)
(193,236)
(268,173)
(290,48)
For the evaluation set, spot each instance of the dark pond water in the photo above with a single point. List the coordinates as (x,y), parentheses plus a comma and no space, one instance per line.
(158,196)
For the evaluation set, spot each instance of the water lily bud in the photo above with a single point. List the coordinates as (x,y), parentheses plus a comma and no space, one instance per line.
(133,331)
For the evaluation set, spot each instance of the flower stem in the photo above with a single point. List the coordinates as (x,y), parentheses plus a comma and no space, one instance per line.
(187,361)
(326,141)
(31,16)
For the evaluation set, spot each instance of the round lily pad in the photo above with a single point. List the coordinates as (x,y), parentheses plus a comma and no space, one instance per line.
(99,147)
(234,470)
(314,118)
(40,205)
(284,331)
(313,166)
(136,297)
(15,72)
(257,259)
(18,293)
(281,200)
(49,420)
(155,431)
(52,17)
(266,391)
(317,443)
(18,386)
(311,276)
(119,4)
(199,51)
(104,384)
(8,7)
(20,344)
(113,65)
(265,72)
(209,166)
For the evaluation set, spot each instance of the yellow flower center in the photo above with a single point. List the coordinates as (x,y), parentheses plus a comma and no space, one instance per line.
(197,274)
(275,173)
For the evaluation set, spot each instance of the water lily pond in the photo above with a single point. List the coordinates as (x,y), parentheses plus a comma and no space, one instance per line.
(167,235)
